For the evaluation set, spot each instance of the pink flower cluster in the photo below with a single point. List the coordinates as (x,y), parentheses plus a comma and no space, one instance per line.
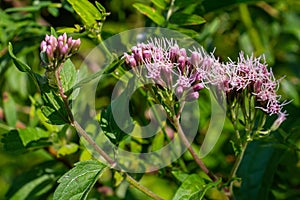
(250,73)
(56,50)
(169,65)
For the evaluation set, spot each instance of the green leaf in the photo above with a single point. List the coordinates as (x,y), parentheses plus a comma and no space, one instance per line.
(36,183)
(14,143)
(183,19)
(160,3)
(257,170)
(158,141)
(19,64)
(9,107)
(32,134)
(179,175)
(54,109)
(86,11)
(193,188)
(76,183)
(68,75)
(151,13)
(116,132)
(67,149)
(110,127)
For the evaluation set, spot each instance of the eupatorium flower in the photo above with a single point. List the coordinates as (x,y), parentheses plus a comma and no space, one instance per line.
(188,71)
(54,50)
(169,66)
(251,74)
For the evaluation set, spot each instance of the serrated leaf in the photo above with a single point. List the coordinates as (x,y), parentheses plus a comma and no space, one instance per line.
(150,12)
(68,75)
(193,188)
(76,183)
(257,170)
(32,134)
(86,11)
(9,107)
(183,19)
(190,186)
(34,183)
(54,108)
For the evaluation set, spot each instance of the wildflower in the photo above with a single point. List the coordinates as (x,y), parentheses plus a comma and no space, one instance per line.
(250,74)
(169,65)
(54,50)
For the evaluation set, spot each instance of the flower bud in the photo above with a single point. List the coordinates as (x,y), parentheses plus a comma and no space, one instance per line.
(198,86)
(147,54)
(281,118)
(181,61)
(182,52)
(192,96)
(179,91)
(43,46)
(174,51)
(132,62)
(195,58)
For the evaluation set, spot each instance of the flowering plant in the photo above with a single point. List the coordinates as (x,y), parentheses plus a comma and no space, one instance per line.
(147,113)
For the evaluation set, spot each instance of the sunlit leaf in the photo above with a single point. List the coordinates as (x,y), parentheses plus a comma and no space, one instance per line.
(68,75)
(14,143)
(150,12)
(29,134)
(67,149)
(86,10)
(160,3)
(77,182)
(54,108)
(193,188)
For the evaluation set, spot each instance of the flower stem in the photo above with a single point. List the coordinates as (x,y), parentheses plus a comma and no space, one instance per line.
(85,135)
(191,150)
(142,188)
(236,165)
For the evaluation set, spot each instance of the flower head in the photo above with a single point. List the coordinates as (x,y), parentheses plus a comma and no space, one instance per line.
(56,50)
(169,65)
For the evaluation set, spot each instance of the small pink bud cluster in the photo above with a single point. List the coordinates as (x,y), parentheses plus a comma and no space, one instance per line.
(56,50)
(170,66)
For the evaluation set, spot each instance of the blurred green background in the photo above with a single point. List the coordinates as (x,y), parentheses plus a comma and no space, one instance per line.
(263,27)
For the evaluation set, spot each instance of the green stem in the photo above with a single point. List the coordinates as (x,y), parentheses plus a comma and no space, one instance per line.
(236,165)
(191,150)
(142,188)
